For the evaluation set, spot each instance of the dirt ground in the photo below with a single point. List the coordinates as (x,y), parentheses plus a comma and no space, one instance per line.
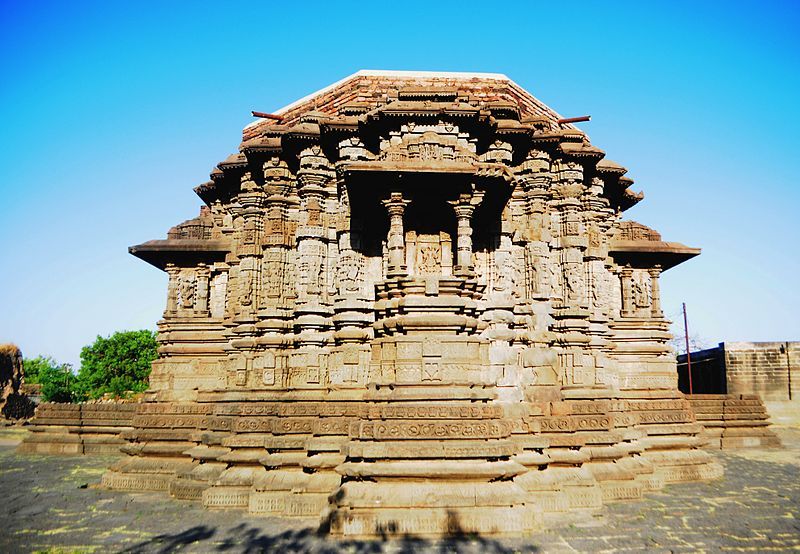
(48,504)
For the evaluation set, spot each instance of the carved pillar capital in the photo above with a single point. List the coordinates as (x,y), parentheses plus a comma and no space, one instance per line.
(395,204)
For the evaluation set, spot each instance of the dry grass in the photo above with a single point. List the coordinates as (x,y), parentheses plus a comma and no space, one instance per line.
(10,350)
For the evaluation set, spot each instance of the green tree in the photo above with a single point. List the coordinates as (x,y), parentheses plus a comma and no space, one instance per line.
(58,383)
(33,368)
(57,380)
(117,364)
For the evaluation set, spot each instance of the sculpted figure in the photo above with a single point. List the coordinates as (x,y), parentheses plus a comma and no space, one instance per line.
(187,291)
(430,256)
(314,213)
(249,234)
(601,289)
(572,279)
(506,275)
(247,288)
(531,262)
(273,277)
(554,278)
(595,237)
(314,274)
(349,273)
(641,294)
(534,278)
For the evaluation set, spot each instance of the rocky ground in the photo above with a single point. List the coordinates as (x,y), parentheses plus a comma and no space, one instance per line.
(47,503)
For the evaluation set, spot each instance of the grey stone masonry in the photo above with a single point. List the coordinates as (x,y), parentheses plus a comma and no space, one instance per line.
(768,369)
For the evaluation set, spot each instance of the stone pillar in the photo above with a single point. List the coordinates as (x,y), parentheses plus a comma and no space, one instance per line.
(464,207)
(201,304)
(308,363)
(396,206)
(172,291)
(625,276)
(655,300)
(252,200)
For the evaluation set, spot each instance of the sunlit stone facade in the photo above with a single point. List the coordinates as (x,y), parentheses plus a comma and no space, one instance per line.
(411,305)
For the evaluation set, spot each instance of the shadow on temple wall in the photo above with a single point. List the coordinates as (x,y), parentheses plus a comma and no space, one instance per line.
(248,539)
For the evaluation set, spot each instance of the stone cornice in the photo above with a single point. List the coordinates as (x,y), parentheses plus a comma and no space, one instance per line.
(181,251)
(649,253)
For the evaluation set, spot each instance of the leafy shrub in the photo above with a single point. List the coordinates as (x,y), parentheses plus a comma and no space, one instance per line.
(57,380)
(34,367)
(117,364)
(58,384)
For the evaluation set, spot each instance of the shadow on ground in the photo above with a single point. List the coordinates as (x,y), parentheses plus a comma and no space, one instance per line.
(246,539)
(46,505)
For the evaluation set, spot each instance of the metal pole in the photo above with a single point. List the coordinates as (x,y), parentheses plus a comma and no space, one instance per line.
(788,371)
(688,354)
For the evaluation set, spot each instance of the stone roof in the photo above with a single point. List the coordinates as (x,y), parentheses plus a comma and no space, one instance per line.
(641,246)
(367,89)
(368,104)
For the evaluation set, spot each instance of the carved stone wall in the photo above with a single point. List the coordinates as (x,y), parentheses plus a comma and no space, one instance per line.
(85,428)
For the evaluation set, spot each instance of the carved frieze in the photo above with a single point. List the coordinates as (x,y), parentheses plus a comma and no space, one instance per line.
(402,430)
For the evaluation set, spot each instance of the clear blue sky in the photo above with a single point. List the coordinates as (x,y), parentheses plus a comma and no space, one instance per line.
(111,112)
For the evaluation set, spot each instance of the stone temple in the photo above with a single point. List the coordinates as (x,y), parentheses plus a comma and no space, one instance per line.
(410,305)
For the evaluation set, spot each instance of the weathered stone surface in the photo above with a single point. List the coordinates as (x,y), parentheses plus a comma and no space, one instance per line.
(14,403)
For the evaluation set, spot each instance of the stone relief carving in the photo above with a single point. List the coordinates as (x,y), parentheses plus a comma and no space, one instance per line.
(219,284)
(246,290)
(642,293)
(536,270)
(429,255)
(595,237)
(186,291)
(573,281)
(314,211)
(274,272)
(350,272)
(312,269)
(427,147)
(507,278)
(555,278)
(601,288)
